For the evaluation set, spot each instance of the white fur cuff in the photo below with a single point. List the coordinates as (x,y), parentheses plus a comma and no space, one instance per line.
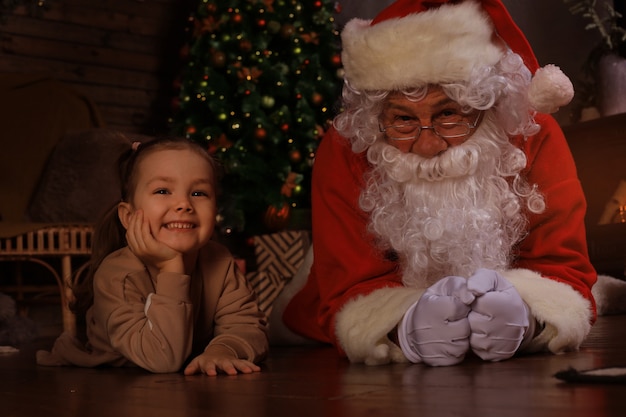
(565,313)
(610,295)
(363,325)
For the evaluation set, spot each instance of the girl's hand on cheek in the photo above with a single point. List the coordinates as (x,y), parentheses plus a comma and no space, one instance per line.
(143,244)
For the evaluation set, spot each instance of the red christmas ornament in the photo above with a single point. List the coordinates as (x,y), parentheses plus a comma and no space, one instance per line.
(191,129)
(319,134)
(336,60)
(237,18)
(276,218)
(295,156)
(261,23)
(317,99)
(212,149)
(318,4)
(290,184)
(284,127)
(260,133)
(245,45)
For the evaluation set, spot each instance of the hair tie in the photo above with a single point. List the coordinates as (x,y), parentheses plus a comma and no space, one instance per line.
(135,145)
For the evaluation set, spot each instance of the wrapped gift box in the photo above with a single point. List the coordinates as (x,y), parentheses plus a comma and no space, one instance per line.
(278,257)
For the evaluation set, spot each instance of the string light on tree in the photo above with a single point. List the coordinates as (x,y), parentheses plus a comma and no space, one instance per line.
(258,89)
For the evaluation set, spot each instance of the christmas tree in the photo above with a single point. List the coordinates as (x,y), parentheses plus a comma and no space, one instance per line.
(259,87)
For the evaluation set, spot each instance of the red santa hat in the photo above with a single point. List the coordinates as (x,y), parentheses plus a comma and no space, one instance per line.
(418,42)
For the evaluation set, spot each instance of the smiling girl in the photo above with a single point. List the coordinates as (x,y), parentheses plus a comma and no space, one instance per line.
(160,294)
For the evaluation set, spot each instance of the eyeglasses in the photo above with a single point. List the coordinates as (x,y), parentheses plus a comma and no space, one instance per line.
(445,130)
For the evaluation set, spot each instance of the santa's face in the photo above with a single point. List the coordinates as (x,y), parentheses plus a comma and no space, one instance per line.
(428,126)
(451,212)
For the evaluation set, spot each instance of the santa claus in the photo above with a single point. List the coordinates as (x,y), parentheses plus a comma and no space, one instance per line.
(447,214)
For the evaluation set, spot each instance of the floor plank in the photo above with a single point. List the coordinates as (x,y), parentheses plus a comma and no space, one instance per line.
(314,381)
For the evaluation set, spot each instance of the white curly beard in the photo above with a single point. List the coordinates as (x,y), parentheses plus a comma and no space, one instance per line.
(447,215)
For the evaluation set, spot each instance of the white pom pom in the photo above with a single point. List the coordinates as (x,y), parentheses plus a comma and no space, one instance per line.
(550,89)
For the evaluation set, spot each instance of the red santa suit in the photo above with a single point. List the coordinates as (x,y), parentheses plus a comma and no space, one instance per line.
(354,294)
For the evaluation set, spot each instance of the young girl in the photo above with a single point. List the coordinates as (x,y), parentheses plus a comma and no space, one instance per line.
(161,290)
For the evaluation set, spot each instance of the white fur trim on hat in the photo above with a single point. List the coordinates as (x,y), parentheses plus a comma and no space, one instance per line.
(550,89)
(435,46)
(363,325)
(565,314)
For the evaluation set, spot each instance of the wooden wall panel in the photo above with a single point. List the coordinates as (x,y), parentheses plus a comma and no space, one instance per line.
(123,54)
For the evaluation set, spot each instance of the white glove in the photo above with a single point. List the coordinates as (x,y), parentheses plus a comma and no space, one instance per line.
(499,316)
(435,329)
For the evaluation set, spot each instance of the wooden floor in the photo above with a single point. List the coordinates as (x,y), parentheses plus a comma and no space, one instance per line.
(300,382)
